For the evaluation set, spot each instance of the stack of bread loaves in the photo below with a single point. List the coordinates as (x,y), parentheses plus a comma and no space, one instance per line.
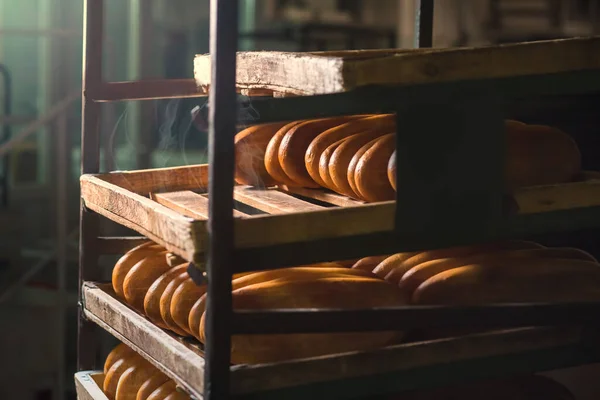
(354,155)
(509,271)
(127,376)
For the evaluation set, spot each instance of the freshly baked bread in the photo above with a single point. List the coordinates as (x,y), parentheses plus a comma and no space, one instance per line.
(139,278)
(350,173)
(120,351)
(390,263)
(345,292)
(539,155)
(294,144)
(324,161)
(155,292)
(163,391)
(127,261)
(165,304)
(111,380)
(513,280)
(272,164)
(397,272)
(150,385)
(339,163)
(413,278)
(382,123)
(250,147)
(368,263)
(184,298)
(132,380)
(370,173)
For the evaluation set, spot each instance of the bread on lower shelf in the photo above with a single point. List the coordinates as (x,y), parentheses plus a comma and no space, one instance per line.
(130,377)
(507,271)
(349,155)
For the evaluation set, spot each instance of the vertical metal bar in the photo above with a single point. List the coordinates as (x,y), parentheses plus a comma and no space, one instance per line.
(63,154)
(424,23)
(222,124)
(90,163)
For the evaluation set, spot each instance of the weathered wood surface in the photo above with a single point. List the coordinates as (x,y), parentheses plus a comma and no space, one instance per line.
(192,177)
(323,73)
(187,203)
(180,226)
(88,385)
(184,363)
(178,360)
(271,201)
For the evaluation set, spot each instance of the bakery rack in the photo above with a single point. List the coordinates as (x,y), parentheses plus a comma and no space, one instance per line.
(190,210)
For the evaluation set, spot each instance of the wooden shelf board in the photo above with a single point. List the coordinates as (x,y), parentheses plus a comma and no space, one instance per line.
(183,362)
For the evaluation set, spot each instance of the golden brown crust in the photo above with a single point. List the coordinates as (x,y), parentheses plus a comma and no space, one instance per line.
(388,264)
(120,351)
(398,271)
(351,171)
(324,161)
(165,304)
(111,380)
(184,298)
(339,164)
(150,385)
(292,149)
(370,173)
(132,380)
(128,260)
(368,263)
(250,147)
(272,164)
(345,292)
(156,290)
(383,123)
(522,280)
(163,391)
(139,279)
(414,277)
(194,317)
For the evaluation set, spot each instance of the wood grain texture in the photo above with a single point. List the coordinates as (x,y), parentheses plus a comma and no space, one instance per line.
(184,363)
(178,360)
(87,385)
(322,73)
(185,236)
(193,177)
(187,203)
(174,231)
(271,201)
(323,195)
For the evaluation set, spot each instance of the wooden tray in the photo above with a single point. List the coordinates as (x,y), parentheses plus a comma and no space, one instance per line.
(183,362)
(88,385)
(279,73)
(165,206)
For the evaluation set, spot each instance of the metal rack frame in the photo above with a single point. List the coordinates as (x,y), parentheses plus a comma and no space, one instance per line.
(483,220)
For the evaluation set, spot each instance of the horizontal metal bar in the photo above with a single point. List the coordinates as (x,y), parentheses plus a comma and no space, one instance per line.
(386,99)
(350,247)
(411,317)
(145,90)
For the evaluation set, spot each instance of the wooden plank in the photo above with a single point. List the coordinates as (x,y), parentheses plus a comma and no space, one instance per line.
(191,177)
(558,197)
(187,203)
(400,358)
(178,360)
(310,73)
(183,363)
(324,196)
(88,385)
(379,217)
(164,226)
(271,201)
